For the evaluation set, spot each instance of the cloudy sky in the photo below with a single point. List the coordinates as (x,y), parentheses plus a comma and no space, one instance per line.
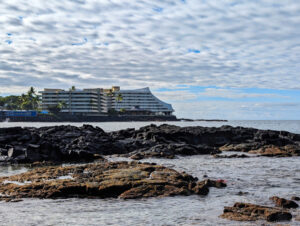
(209,58)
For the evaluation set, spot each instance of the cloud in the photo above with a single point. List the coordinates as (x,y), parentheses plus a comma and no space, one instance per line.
(238,110)
(237,94)
(157,43)
(178,95)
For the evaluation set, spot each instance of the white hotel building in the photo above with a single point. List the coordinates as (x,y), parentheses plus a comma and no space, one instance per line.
(101,101)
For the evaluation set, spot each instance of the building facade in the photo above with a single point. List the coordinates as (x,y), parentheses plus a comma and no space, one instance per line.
(104,101)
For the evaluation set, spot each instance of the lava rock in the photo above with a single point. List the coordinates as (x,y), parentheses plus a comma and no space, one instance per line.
(281,202)
(252,212)
(16,151)
(296,198)
(126,180)
(81,144)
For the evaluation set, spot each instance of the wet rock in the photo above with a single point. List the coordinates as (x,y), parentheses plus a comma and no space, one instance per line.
(252,212)
(3,151)
(16,151)
(281,202)
(242,147)
(232,156)
(275,151)
(81,144)
(296,198)
(242,193)
(127,180)
(56,144)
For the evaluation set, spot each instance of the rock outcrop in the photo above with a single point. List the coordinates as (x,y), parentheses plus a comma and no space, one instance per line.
(126,180)
(284,203)
(252,212)
(169,140)
(56,144)
(87,143)
(296,198)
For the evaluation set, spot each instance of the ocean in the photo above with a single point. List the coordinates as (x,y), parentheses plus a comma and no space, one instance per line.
(258,179)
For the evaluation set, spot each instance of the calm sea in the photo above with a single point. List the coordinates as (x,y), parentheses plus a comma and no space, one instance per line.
(258,178)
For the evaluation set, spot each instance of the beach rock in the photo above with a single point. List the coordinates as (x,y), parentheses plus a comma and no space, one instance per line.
(15,151)
(170,150)
(275,151)
(232,156)
(127,180)
(296,198)
(242,147)
(56,144)
(83,144)
(252,212)
(281,202)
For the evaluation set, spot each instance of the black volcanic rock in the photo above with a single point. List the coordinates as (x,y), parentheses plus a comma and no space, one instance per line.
(86,143)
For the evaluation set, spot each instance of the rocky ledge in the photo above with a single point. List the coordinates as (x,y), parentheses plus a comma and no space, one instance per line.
(252,212)
(284,203)
(127,180)
(86,143)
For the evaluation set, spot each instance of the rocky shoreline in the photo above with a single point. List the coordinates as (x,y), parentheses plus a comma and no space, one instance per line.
(88,143)
(95,177)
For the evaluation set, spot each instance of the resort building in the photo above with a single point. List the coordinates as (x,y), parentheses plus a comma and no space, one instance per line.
(105,101)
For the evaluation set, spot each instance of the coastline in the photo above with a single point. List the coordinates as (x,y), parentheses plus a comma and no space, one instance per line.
(114,118)
(75,118)
(199,157)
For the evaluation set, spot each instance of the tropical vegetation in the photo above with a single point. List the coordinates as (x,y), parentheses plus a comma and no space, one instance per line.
(26,101)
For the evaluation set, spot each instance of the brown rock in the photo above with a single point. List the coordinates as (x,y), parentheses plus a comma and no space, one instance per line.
(252,212)
(281,202)
(276,151)
(297,218)
(125,180)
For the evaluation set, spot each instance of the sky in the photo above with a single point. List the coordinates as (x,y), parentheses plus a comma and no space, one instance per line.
(212,59)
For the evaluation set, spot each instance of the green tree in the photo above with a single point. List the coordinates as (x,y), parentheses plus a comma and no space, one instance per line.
(56,108)
(26,101)
(122,111)
(11,102)
(2,102)
(62,105)
(112,111)
(110,93)
(30,100)
(119,97)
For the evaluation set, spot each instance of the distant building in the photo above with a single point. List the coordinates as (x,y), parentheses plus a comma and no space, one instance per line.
(103,101)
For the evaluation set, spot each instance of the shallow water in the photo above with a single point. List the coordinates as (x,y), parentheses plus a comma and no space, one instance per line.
(259,178)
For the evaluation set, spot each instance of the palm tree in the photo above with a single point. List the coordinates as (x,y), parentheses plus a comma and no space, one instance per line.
(30,100)
(24,102)
(110,93)
(31,92)
(61,105)
(119,97)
